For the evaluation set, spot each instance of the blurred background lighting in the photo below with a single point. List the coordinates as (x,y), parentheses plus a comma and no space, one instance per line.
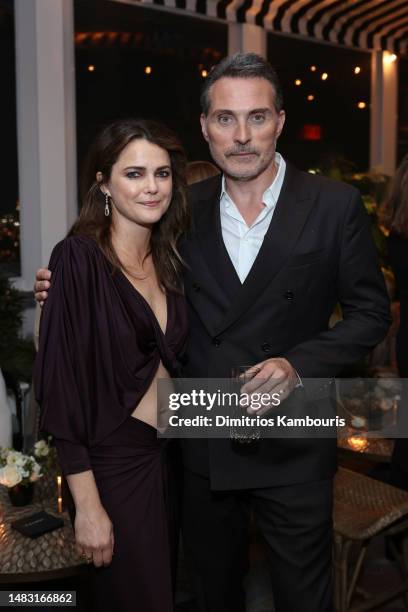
(389,58)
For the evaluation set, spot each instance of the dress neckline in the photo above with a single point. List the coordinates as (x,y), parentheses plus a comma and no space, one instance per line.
(147,305)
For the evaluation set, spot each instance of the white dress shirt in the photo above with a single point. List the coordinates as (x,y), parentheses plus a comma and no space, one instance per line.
(242,241)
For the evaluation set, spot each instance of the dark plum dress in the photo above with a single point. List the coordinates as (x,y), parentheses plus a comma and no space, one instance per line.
(100,347)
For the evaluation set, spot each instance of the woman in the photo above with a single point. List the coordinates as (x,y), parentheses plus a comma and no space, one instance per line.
(395,216)
(115,322)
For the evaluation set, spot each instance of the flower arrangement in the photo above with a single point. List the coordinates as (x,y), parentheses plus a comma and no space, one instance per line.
(45,454)
(17,468)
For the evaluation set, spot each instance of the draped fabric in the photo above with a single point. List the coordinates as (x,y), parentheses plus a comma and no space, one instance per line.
(100,347)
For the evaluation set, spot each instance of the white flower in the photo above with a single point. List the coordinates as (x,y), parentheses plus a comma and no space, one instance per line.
(10,476)
(41,448)
(36,473)
(15,458)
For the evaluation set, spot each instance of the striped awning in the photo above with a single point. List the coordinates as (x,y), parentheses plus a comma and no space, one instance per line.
(365,24)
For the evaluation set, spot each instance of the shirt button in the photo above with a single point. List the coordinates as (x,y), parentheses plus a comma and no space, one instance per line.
(289,295)
(266,347)
(216,342)
(196,287)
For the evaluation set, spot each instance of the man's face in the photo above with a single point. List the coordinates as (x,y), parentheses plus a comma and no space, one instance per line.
(242,126)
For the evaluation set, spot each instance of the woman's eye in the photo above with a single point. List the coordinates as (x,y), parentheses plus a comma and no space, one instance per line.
(164,173)
(133,174)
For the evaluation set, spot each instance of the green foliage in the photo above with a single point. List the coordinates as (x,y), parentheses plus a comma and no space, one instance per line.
(16,353)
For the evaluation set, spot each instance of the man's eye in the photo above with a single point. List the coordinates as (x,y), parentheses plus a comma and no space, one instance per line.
(224,119)
(258,118)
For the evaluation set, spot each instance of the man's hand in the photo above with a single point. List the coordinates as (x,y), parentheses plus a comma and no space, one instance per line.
(273,376)
(42,284)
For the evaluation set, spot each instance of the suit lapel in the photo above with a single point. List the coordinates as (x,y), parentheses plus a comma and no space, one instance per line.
(209,236)
(291,212)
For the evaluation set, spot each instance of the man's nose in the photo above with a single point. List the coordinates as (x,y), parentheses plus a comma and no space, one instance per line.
(242,133)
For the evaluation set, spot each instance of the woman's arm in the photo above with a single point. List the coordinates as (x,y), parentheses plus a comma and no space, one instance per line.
(93,528)
(64,374)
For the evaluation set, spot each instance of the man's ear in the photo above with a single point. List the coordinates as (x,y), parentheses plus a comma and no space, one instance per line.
(281,122)
(203,121)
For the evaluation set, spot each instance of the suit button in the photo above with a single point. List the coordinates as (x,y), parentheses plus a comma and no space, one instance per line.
(216,342)
(196,287)
(266,347)
(289,295)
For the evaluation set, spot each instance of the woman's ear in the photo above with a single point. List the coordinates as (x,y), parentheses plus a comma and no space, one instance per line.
(102,187)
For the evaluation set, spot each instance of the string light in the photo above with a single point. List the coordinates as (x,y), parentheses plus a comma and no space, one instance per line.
(357,70)
(298,82)
(325,76)
(91,68)
(204,74)
(148,70)
(361,105)
(313,68)
(310,98)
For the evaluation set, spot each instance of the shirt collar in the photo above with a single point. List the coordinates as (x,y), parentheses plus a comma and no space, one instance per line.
(271,194)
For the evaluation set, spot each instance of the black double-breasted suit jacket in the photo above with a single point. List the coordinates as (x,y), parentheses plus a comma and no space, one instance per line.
(317,252)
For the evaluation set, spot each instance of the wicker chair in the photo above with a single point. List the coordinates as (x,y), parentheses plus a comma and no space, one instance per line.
(365,508)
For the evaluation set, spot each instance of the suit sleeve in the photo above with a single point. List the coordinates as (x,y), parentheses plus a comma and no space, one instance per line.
(62,380)
(363,298)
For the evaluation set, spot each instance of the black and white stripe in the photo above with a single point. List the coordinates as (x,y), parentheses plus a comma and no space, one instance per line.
(365,24)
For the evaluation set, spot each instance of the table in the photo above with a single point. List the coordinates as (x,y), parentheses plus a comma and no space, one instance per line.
(52,555)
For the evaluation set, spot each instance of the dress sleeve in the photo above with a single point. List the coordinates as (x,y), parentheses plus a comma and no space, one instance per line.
(63,369)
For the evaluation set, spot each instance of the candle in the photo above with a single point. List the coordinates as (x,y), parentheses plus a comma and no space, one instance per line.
(357,443)
(59,493)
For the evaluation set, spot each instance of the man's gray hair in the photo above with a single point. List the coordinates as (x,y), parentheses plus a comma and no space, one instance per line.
(242,66)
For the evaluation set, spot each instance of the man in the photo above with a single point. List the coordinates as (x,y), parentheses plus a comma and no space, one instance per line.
(271,252)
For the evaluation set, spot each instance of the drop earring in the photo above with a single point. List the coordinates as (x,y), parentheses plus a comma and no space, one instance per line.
(107,209)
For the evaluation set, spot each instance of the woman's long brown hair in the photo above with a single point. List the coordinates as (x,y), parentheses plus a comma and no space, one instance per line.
(395,209)
(92,221)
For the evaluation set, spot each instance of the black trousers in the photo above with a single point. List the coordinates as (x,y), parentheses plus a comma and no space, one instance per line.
(296,523)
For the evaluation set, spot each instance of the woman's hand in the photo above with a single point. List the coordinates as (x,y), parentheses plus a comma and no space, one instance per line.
(94,535)
(93,527)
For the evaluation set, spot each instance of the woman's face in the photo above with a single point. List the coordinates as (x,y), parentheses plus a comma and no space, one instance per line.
(141,183)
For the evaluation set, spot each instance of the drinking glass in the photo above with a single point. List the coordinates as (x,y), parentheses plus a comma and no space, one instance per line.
(242,432)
